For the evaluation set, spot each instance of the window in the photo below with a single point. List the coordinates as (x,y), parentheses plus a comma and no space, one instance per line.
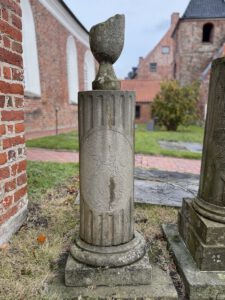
(89,70)
(165,50)
(137,112)
(153,67)
(207,34)
(30,52)
(72,70)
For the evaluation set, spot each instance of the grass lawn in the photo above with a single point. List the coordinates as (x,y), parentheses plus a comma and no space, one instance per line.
(27,263)
(146,142)
(64,141)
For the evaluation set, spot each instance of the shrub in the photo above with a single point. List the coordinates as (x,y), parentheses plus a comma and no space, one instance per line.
(176,105)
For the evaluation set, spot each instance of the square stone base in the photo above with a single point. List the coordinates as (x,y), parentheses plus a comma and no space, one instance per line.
(200,285)
(80,275)
(204,239)
(161,287)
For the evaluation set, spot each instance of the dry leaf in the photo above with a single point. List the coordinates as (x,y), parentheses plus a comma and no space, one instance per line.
(41,239)
(4,248)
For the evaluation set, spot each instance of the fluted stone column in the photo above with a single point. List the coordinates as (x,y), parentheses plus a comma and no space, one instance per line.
(106,159)
(106,135)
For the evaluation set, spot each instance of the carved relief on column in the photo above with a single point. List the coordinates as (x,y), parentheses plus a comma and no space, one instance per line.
(106,160)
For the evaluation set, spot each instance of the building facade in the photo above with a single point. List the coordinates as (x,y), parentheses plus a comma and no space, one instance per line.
(158,64)
(187,50)
(57,64)
(156,67)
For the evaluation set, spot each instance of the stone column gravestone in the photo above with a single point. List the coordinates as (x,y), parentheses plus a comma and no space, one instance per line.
(201,223)
(107,238)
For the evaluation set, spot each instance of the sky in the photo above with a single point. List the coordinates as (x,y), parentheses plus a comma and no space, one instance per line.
(146,23)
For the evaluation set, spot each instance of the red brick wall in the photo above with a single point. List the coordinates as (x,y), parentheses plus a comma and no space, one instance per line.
(145,112)
(164,61)
(13,181)
(191,55)
(51,44)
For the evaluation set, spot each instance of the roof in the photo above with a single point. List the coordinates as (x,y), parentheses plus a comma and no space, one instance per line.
(72,15)
(146,90)
(205,9)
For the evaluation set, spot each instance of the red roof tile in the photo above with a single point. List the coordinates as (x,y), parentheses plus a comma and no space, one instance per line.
(145,90)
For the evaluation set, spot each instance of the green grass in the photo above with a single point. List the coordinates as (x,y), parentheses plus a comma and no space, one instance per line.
(64,141)
(43,176)
(146,142)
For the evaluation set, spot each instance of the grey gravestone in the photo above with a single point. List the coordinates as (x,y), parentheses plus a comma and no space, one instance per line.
(164,188)
(201,223)
(108,251)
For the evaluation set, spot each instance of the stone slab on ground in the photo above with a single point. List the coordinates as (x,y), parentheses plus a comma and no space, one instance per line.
(181,146)
(164,188)
(161,288)
(80,275)
(200,285)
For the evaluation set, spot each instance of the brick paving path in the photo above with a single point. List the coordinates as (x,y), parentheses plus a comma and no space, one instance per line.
(144,161)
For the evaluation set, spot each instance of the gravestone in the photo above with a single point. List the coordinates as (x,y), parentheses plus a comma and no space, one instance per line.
(108,252)
(201,223)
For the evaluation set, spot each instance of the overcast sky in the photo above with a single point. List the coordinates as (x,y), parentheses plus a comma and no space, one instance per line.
(146,23)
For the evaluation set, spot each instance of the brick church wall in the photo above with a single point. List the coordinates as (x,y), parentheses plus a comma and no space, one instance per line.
(40,114)
(13,180)
(192,55)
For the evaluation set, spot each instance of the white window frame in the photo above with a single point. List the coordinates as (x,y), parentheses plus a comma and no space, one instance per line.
(30,52)
(89,70)
(72,70)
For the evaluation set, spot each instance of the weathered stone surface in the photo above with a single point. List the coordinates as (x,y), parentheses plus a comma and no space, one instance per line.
(80,275)
(161,287)
(210,232)
(211,201)
(106,41)
(181,146)
(204,238)
(12,225)
(106,167)
(164,188)
(114,256)
(199,285)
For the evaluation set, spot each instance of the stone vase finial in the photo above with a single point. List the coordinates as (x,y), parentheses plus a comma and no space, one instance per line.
(106,41)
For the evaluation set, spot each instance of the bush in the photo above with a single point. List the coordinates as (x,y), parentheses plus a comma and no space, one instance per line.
(176,105)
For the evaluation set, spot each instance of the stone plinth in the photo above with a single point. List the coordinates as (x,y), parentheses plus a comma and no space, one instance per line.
(80,275)
(199,285)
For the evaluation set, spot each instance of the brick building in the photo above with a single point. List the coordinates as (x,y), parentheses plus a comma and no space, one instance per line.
(199,38)
(158,64)
(13,180)
(186,51)
(146,91)
(57,64)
